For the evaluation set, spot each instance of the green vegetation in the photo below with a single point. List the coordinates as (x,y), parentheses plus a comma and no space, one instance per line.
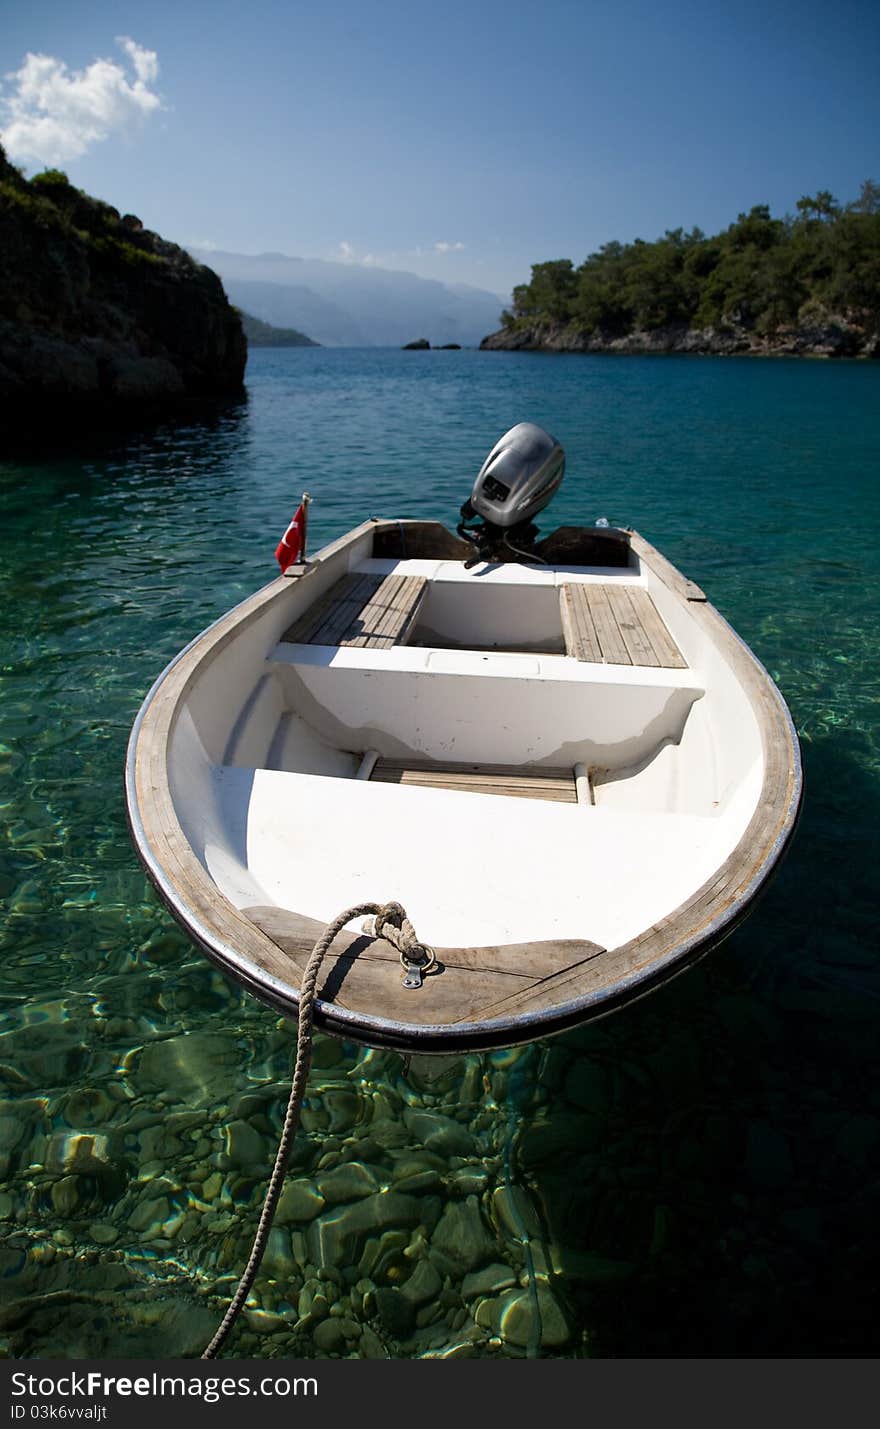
(50,200)
(761,274)
(260,334)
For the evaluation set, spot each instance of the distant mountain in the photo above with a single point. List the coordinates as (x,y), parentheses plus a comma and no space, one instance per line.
(349,305)
(260,334)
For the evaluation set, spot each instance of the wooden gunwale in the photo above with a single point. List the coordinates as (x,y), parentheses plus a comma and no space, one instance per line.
(590,988)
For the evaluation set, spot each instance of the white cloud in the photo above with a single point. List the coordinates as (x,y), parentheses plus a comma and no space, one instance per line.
(443,247)
(346,251)
(55,114)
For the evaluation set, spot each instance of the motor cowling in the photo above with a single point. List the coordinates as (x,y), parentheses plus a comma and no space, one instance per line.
(522,472)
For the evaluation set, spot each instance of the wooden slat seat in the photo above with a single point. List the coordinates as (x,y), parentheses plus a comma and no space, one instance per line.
(616,625)
(366,610)
(513,781)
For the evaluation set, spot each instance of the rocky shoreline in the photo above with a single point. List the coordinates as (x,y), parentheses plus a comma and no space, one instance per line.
(835,338)
(99,317)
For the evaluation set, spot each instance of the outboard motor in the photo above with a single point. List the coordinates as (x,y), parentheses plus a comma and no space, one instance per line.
(518,478)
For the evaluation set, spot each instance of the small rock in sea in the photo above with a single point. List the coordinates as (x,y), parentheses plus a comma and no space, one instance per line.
(415,1182)
(349,1182)
(335,1237)
(158,1144)
(439,1133)
(488,1281)
(149,1214)
(382,1251)
(395,1314)
(78,1152)
(194,1066)
(522,1319)
(370,1347)
(299,1201)
(278,1261)
(327,1052)
(343,1107)
(383,1255)
(461,1235)
(87,1107)
(103,1232)
(65,1196)
(212,1186)
(245,1147)
(425,1283)
(421,344)
(312,1303)
(329,1337)
(514,1212)
(468,1182)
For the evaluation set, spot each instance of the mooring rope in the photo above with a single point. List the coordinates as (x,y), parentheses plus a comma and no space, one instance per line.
(392,924)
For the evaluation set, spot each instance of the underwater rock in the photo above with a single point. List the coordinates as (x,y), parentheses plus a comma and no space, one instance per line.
(78,1153)
(395,1314)
(461,1236)
(439,1133)
(65,1196)
(424,1284)
(299,1201)
(413,1182)
(523,1318)
(245,1148)
(212,1186)
(514,1212)
(488,1281)
(312,1302)
(382,1253)
(468,1182)
(195,1066)
(149,1214)
(103,1232)
(348,1182)
(329,1336)
(278,1259)
(335,1237)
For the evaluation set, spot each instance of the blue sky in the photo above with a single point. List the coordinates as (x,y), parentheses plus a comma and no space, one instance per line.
(458,141)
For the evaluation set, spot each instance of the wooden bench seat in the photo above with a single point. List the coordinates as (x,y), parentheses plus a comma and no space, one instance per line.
(512,781)
(368,610)
(616,625)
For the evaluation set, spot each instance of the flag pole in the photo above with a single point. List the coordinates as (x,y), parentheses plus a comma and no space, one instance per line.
(306,502)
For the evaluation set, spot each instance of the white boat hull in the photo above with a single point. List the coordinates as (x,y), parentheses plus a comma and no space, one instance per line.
(575,778)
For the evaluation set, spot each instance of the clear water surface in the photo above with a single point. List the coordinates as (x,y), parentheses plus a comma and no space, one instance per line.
(697,1175)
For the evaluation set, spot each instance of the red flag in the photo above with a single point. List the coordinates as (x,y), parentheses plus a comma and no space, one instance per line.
(290,546)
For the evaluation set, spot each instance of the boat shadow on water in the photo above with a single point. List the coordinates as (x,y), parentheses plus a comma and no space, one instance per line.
(695,1175)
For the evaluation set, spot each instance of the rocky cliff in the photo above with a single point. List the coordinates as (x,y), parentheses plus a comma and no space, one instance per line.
(100,317)
(836,337)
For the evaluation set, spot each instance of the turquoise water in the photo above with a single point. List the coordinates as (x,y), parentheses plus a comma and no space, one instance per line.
(697,1175)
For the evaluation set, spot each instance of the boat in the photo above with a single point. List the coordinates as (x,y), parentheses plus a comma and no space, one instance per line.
(552,752)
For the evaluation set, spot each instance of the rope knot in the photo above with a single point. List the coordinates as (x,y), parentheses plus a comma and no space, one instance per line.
(392,924)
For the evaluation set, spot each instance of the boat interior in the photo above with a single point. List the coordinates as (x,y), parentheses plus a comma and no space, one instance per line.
(514,751)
